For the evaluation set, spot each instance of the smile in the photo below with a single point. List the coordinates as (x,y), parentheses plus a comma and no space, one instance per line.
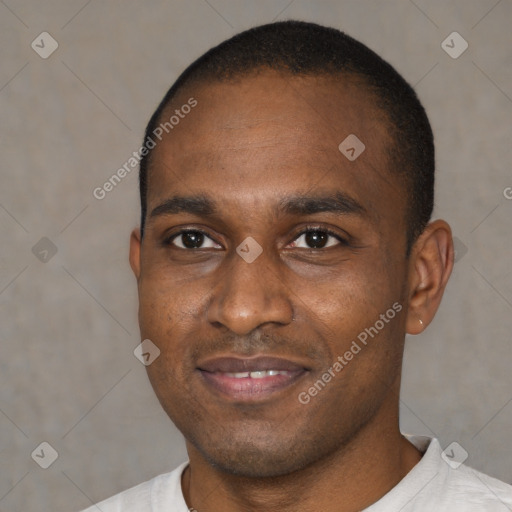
(260,374)
(249,379)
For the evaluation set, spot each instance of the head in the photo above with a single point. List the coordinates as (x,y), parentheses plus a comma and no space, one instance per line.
(291,249)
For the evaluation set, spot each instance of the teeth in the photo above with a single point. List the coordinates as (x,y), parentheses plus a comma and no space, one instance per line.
(260,374)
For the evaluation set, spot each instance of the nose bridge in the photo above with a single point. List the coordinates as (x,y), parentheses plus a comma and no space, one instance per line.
(251,292)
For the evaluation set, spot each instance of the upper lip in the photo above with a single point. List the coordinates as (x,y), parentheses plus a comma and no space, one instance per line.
(236,364)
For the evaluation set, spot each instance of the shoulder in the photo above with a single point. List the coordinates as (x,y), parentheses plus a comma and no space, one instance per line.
(159,493)
(475,489)
(441,482)
(455,486)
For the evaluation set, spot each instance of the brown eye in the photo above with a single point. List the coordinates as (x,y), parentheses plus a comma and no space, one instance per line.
(317,239)
(193,239)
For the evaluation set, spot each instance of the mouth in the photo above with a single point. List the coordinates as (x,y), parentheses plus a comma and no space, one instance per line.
(250,379)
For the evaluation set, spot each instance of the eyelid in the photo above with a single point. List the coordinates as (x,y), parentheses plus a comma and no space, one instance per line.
(170,238)
(343,240)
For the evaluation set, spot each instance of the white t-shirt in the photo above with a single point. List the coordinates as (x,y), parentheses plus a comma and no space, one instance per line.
(436,484)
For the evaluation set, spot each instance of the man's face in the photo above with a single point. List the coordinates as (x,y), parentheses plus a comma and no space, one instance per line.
(255,148)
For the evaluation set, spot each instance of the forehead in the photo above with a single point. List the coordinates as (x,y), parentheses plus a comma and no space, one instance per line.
(260,137)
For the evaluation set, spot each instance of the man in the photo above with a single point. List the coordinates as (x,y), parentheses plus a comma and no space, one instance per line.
(284,251)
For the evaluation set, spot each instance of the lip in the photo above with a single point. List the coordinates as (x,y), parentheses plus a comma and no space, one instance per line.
(218,373)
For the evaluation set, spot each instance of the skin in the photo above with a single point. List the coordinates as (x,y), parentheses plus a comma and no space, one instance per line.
(247,145)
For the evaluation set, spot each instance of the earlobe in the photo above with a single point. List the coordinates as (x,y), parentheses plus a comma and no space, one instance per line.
(429,270)
(135,251)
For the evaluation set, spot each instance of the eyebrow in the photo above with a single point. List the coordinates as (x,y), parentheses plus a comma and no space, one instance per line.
(202,206)
(338,202)
(197,205)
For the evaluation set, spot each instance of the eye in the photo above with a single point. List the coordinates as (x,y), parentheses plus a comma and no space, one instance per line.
(192,239)
(317,238)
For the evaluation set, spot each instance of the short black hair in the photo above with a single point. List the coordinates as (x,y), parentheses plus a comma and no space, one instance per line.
(302,48)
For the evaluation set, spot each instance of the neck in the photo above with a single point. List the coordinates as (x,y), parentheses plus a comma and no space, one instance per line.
(349,480)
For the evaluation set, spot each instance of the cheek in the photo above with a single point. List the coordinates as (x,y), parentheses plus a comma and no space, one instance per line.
(170,316)
(166,317)
(165,306)
(350,294)
(347,307)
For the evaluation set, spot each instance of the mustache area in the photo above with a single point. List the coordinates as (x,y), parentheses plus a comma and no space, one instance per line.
(266,344)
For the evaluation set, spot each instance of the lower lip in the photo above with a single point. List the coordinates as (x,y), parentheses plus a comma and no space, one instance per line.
(247,388)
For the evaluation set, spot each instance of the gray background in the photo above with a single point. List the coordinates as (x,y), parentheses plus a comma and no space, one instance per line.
(68,325)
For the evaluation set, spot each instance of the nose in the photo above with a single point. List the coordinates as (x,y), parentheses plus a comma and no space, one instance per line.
(249,295)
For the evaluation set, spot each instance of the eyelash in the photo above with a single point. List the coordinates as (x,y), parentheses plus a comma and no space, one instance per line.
(342,241)
(168,240)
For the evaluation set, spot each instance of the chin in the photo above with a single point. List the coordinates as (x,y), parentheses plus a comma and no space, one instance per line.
(265,460)
(253,464)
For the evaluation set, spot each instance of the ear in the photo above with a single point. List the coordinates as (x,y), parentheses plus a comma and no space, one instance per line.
(430,266)
(135,247)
